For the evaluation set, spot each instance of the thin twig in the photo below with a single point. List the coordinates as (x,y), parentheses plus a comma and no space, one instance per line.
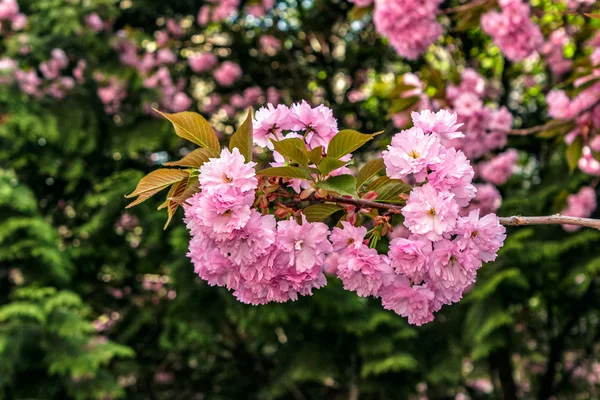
(550,220)
(516,220)
(465,7)
(551,124)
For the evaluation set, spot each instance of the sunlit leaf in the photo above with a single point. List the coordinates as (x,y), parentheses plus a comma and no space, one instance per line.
(158,179)
(292,149)
(347,141)
(285,172)
(319,212)
(176,191)
(342,184)
(315,155)
(193,127)
(329,164)
(194,159)
(369,170)
(574,152)
(594,16)
(242,138)
(388,190)
(402,104)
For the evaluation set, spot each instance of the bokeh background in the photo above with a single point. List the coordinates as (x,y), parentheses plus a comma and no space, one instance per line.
(98,302)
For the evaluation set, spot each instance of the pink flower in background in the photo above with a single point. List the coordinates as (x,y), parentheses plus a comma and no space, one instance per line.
(165,56)
(79,70)
(19,22)
(112,95)
(29,82)
(581,204)
(500,167)
(228,73)
(467,104)
(430,213)
(94,21)
(8,9)
(180,102)
(269,44)
(202,62)
(513,30)
(410,154)
(409,25)
(487,200)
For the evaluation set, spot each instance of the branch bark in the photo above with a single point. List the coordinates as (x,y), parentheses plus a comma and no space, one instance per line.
(516,220)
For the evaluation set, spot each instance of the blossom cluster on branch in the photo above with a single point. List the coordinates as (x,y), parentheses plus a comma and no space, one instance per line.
(260,233)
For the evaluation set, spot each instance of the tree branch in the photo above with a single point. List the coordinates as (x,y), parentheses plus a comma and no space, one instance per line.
(465,7)
(516,220)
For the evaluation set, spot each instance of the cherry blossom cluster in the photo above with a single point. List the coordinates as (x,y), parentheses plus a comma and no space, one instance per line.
(580,204)
(234,246)
(513,30)
(262,255)
(409,25)
(10,15)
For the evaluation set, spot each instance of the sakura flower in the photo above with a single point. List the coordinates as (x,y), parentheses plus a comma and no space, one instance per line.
(202,62)
(364,271)
(410,257)
(268,123)
(452,265)
(499,168)
(410,153)
(228,73)
(318,122)
(442,123)
(229,171)
(348,237)
(307,244)
(413,302)
(485,234)
(429,212)
(454,174)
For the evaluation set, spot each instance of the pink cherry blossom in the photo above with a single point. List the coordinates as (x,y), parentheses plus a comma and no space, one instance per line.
(500,167)
(268,124)
(485,234)
(410,257)
(347,237)
(228,73)
(202,62)
(230,172)
(454,174)
(94,21)
(318,122)
(442,123)
(307,244)
(453,265)
(411,153)
(413,302)
(429,212)
(364,271)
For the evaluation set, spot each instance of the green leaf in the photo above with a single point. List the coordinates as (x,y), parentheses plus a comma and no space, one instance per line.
(292,149)
(594,16)
(156,181)
(318,212)
(329,164)
(556,128)
(342,184)
(369,170)
(574,152)
(315,155)
(285,172)
(402,104)
(347,141)
(194,159)
(394,363)
(193,127)
(242,138)
(388,189)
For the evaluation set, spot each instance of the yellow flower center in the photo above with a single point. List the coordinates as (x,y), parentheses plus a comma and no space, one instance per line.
(226,179)
(432,212)
(414,154)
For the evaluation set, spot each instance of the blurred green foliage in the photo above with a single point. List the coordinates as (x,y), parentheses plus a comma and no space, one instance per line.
(79,317)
